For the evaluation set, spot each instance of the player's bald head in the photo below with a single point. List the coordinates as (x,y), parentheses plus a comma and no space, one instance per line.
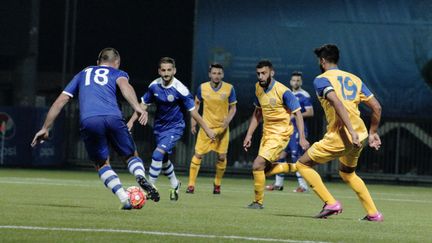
(108,55)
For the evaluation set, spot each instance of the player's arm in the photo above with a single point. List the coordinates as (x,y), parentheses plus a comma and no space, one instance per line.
(374,139)
(134,117)
(53,112)
(291,102)
(253,124)
(343,114)
(197,117)
(232,100)
(231,112)
(193,122)
(129,94)
(309,112)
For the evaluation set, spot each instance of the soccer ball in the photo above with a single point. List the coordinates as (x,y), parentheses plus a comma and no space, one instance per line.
(137,197)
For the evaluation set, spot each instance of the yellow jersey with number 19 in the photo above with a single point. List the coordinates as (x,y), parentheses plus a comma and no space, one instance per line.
(351,91)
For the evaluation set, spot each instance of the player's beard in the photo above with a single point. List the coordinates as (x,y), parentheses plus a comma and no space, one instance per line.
(266,84)
(322,68)
(167,79)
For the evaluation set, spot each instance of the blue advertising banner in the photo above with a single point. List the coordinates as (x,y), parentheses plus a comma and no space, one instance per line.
(386,43)
(18,126)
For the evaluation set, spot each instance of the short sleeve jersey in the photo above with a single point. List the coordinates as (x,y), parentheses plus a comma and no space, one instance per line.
(96,87)
(216,102)
(171,102)
(277,103)
(350,90)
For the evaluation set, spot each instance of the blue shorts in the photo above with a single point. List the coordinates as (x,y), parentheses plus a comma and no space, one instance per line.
(168,139)
(100,131)
(293,148)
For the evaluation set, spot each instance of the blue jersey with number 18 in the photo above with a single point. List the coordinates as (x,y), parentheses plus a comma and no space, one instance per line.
(96,86)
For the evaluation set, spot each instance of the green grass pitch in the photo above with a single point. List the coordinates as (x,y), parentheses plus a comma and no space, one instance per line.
(74,206)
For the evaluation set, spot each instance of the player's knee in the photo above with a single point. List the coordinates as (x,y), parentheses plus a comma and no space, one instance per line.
(221,157)
(100,163)
(347,176)
(158,155)
(198,156)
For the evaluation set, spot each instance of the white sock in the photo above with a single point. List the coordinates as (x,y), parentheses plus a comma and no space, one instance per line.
(154,171)
(168,170)
(136,167)
(112,181)
(279,180)
(302,183)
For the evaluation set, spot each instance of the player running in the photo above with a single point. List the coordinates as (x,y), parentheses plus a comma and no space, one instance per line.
(274,105)
(101,121)
(340,93)
(171,98)
(294,148)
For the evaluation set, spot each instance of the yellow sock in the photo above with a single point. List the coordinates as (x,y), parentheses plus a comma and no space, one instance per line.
(281,168)
(315,182)
(193,170)
(220,170)
(357,184)
(259,184)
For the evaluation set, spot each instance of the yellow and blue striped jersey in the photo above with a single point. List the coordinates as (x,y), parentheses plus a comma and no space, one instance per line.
(350,90)
(216,102)
(277,103)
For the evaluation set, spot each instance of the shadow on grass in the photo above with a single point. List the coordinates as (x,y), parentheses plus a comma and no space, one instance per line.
(56,205)
(310,217)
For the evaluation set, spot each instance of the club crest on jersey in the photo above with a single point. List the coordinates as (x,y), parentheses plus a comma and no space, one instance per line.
(272,102)
(223,96)
(170,98)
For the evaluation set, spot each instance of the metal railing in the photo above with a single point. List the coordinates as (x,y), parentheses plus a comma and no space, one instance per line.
(406,153)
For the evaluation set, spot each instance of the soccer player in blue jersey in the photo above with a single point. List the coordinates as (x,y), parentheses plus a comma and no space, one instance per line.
(294,148)
(172,100)
(101,121)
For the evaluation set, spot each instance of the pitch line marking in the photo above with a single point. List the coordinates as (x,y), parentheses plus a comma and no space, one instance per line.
(159,233)
(58,182)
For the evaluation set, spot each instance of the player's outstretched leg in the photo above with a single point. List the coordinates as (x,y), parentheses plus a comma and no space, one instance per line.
(112,181)
(136,168)
(331,206)
(359,187)
(168,170)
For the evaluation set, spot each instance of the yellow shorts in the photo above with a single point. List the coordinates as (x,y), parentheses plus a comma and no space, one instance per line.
(272,146)
(333,146)
(204,145)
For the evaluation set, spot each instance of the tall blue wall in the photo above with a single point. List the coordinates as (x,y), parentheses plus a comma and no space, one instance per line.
(387,43)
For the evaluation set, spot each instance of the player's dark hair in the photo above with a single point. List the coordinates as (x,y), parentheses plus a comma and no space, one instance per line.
(329,52)
(108,54)
(167,60)
(215,65)
(264,63)
(297,73)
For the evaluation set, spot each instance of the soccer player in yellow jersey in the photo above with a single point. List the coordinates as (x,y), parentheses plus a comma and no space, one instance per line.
(219,102)
(274,105)
(340,93)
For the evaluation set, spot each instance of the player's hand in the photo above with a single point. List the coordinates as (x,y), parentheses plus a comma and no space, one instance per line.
(40,137)
(193,127)
(211,134)
(247,142)
(355,139)
(374,141)
(225,123)
(142,117)
(129,126)
(304,144)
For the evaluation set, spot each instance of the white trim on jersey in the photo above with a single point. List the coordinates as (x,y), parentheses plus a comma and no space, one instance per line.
(303,92)
(68,94)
